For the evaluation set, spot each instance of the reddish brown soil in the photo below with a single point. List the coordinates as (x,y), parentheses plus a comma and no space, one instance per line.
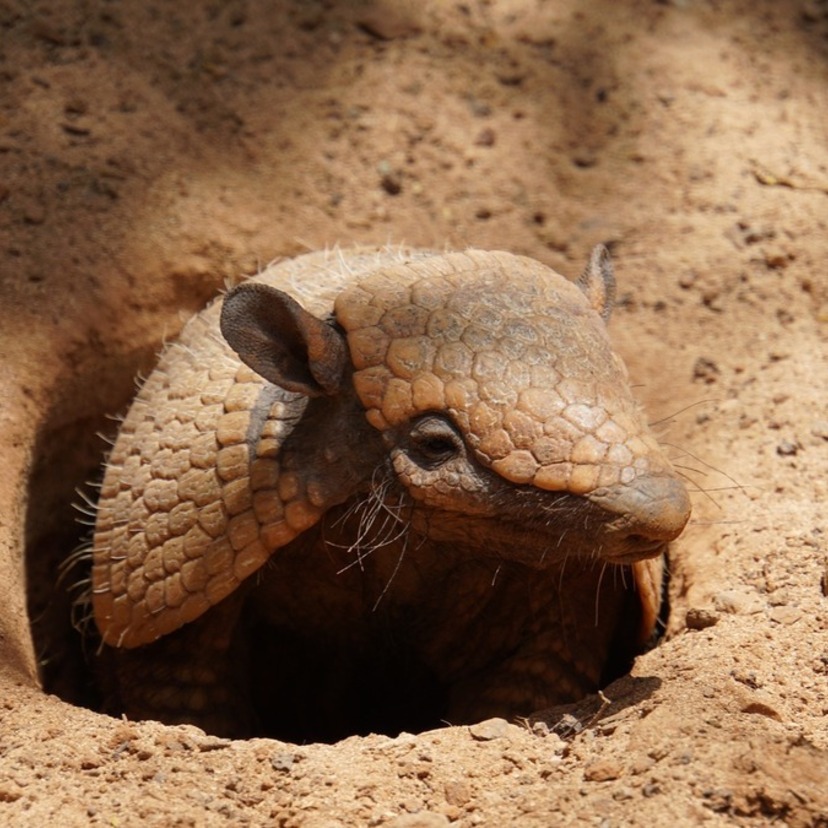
(149,151)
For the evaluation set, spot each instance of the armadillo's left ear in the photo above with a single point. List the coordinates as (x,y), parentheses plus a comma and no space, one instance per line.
(597,281)
(274,335)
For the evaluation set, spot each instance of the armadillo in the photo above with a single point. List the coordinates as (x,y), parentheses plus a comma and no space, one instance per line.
(377,489)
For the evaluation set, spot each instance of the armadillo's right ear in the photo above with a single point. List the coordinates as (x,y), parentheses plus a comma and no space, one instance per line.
(274,335)
(598,282)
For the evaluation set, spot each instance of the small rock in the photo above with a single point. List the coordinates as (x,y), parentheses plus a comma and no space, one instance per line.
(584,158)
(513,76)
(641,765)
(9,793)
(705,370)
(719,800)
(737,602)
(603,770)
(747,678)
(700,618)
(457,793)
(76,129)
(282,761)
(688,279)
(485,138)
(490,729)
(710,298)
(776,258)
(553,742)
(753,233)
(759,708)
(567,726)
(391,183)
(785,615)
(787,448)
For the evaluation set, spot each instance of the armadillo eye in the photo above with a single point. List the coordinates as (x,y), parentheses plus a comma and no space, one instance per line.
(434,441)
(437,448)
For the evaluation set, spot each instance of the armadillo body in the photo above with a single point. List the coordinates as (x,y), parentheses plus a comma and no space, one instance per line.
(379,435)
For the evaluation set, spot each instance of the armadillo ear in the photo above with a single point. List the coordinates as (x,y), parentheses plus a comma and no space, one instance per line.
(597,281)
(274,335)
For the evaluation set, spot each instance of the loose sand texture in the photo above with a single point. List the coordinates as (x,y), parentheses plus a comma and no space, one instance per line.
(150,152)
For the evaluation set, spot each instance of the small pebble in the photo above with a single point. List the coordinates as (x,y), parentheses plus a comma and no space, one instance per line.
(787,448)
(603,770)
(700,618)
(490,729)
(282,761)
(391,183)
(485,138)
(457,793)
(738,602)
(785,615)
(705,370)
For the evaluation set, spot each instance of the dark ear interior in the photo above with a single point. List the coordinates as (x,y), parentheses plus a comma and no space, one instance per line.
(282,342)
(598,282)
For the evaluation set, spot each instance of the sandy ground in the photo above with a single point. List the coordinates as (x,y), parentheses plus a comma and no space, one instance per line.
(150,151)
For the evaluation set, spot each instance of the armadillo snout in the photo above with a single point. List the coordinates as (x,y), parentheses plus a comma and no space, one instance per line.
(652,510)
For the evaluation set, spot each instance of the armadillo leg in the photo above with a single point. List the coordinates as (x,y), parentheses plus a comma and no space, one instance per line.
(196,675)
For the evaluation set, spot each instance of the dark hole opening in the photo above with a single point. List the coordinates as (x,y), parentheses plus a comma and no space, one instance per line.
(383,693)
(68,457)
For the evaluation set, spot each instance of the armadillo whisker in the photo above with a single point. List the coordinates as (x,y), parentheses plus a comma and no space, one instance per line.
(670,417)
(597,613)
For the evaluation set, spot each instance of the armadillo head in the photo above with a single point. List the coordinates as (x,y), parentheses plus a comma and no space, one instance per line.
(505,413)
(498,394)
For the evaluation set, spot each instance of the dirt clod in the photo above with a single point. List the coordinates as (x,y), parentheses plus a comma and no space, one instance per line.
(700,618)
